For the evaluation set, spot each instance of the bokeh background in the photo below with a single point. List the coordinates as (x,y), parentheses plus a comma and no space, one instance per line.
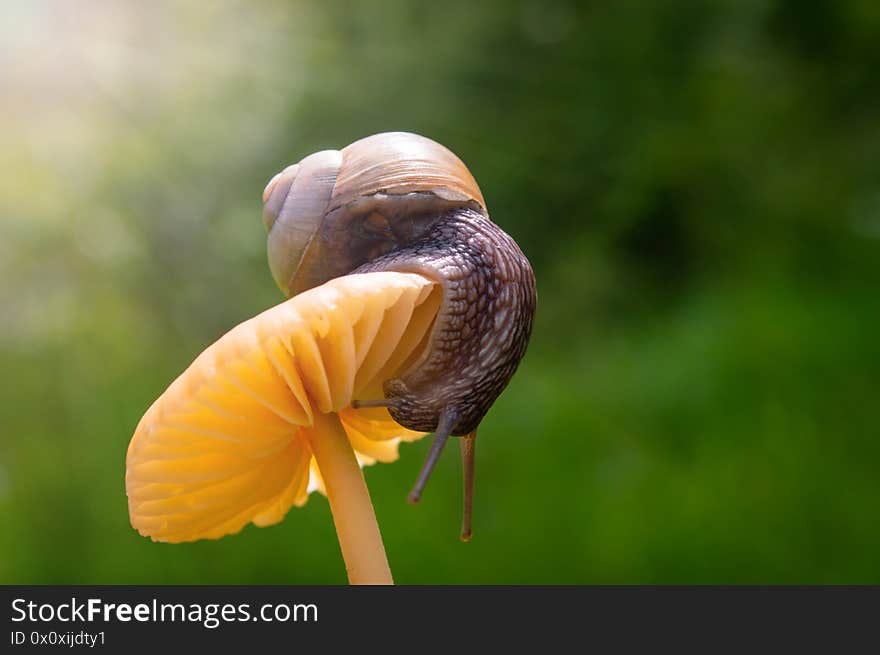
(696,183)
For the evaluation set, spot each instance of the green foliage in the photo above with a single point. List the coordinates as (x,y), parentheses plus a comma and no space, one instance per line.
(695,182)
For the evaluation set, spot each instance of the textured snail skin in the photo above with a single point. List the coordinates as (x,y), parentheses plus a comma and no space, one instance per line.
(482,327)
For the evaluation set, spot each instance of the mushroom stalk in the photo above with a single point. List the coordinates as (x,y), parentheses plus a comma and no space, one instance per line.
(350,504)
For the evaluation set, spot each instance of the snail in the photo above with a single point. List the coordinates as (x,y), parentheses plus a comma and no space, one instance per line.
(401,202)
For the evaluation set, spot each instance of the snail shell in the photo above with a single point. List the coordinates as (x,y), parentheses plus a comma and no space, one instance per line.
(338,209)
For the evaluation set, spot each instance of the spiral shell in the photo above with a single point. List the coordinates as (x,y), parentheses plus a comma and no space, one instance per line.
(338,209)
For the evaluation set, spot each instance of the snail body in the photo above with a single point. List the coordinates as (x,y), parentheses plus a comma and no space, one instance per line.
(402,202)
(482,327)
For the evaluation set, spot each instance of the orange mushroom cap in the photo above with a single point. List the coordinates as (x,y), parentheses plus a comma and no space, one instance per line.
(227,444)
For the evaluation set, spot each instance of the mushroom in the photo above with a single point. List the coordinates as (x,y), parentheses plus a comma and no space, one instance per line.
(265,411)
(409,314)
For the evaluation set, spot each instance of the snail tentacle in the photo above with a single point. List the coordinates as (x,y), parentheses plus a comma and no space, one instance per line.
(447,420)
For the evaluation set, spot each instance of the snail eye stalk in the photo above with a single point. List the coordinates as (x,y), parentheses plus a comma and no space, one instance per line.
(468,442)
(441,434)
(386,402)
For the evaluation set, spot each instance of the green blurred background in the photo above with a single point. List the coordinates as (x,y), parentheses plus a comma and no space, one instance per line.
(696,184)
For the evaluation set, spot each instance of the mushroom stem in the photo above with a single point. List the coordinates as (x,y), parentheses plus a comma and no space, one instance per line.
(356,527)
